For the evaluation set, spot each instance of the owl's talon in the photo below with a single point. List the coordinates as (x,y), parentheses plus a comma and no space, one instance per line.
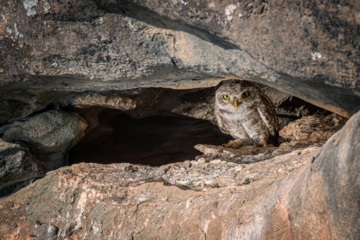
(237,143)
(261,143)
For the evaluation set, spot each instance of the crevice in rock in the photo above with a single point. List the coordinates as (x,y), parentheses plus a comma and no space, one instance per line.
(148,126)
(154,140)
(157,126)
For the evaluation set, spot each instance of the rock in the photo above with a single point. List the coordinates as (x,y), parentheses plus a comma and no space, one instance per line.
(308,131)
(304,194)
(140,103)
(17,165)
(244,154)
(47,231)
(221,173)
(121,201)
(250,154)
(51,147)
(311,129)
(323,197)
(195,103)
(51,49)
(145,58)
(48,135)
(300,42)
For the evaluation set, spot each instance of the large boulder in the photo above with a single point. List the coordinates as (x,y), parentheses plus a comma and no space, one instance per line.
(308,49)
(17,165)
(144,58)
(48,135)
(305,194)
(325,197)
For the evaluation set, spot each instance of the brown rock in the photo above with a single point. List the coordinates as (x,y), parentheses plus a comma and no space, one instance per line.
(110,54)
(195,103)
(310,129)
(51,49)
(324,196)
(304,194)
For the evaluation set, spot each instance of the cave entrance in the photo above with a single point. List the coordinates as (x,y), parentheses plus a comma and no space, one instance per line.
(154,140)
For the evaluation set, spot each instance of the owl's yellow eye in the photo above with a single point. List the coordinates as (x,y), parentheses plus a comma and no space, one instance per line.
(245,94)
(226,97)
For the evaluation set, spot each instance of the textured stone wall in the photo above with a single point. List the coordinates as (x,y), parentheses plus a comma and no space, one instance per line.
(308,49)
(63,63)
(304,194)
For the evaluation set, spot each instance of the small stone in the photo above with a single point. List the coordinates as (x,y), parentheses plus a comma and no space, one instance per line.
(217,161)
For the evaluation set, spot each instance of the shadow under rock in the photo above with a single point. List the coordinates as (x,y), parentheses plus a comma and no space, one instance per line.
(155,140)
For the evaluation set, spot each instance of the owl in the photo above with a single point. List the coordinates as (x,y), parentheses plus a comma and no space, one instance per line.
(243,111)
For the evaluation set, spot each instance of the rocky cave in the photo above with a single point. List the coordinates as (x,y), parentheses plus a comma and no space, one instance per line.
(107,125)
(154,140)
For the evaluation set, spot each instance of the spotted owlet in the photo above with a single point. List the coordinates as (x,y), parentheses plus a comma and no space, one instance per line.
(243,111)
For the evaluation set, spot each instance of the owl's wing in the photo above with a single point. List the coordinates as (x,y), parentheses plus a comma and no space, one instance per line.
(221,125)
(268,115)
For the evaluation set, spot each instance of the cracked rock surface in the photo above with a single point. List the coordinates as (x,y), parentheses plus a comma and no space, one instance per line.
(49,135)
(52,48)
(70,68)
(269,199)
(17,165)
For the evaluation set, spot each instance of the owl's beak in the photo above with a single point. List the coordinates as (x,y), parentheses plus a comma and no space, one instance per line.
(236,103)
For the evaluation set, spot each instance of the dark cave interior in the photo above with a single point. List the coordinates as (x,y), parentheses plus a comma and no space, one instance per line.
(154,140)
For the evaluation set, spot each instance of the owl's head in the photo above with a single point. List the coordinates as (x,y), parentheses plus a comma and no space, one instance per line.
(234,94)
